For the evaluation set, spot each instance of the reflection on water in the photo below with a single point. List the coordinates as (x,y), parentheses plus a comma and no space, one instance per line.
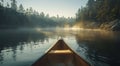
(16,46)
(22,48)
(102,46)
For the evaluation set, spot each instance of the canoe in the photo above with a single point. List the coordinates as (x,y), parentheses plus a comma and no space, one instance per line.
(61,55)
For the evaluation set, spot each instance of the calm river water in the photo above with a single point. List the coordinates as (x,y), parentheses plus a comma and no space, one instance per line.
(24,47)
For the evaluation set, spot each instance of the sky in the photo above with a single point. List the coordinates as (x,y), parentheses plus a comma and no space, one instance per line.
(66,8)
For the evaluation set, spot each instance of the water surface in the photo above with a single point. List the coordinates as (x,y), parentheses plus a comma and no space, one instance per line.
(24,47)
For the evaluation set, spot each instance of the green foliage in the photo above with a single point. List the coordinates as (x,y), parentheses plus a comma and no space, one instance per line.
(21,9)
(99,11)
(13,17)
(1,2)
(13,4)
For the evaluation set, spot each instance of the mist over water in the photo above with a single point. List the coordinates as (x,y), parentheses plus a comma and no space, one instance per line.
(24,46)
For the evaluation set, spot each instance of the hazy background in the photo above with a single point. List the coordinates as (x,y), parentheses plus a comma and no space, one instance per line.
(66,8)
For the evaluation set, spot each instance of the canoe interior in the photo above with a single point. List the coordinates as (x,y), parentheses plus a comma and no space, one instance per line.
(60,55)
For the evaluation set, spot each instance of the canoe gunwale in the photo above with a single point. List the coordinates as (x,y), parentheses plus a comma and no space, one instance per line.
(61,41)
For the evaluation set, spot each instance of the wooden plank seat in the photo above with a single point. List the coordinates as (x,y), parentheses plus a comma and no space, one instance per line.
(60,55)
(60,51)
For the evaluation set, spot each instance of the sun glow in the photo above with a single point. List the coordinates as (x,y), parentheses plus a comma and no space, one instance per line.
(75,27)
(37,29)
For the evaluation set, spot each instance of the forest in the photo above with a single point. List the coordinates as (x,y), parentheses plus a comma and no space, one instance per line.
(13,16)
(103,14)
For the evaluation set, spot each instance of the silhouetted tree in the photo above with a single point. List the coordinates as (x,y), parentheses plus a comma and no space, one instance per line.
(99,11)
(13,4)
(21,9)
(13,17)
(42,14)
(8,6)
(1,3)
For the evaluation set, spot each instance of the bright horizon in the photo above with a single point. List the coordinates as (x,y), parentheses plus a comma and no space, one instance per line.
(66,8)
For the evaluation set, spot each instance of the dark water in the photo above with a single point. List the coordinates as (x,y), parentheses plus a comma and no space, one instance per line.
(24,47)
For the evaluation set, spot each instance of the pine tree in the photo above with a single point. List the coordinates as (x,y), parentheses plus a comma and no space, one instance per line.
(1,3)
(8,5)
(13,4)
(21,9)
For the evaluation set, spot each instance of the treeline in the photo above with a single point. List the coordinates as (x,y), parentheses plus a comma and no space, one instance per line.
(14,16)
(98,11)
(9,17)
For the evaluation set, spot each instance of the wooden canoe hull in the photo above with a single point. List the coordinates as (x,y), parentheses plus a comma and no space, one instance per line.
(61,58)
